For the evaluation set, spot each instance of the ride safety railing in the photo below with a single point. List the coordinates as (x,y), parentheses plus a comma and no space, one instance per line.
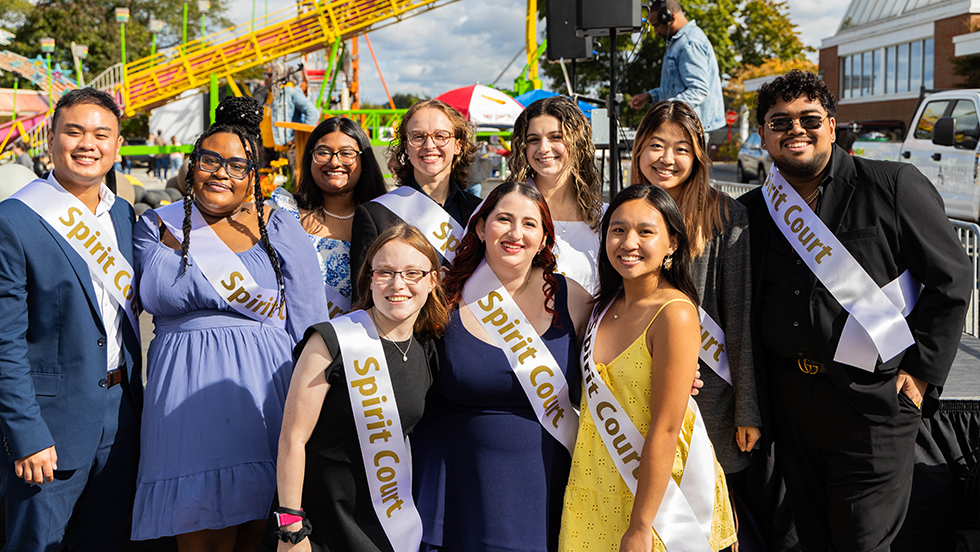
(149,82)
(381,125)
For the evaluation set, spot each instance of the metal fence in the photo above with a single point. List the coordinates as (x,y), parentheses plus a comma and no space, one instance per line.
(969,235)
(967,232)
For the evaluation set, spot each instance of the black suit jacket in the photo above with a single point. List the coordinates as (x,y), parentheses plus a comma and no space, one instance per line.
(890,218)
(371,219)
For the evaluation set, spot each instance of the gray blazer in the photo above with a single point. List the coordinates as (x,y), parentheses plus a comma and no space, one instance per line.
(723,279)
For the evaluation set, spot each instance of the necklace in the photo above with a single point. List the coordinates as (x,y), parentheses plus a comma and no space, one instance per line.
(564,226)
(338,217)
(616,316)
(385,336)
(809,199)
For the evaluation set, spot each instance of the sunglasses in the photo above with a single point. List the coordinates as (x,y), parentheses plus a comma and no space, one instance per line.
(783,124)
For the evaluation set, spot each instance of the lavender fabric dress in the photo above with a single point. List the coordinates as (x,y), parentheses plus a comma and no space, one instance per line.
(216,384)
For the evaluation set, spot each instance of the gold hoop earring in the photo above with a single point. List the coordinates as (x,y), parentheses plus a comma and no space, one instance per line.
(668,262)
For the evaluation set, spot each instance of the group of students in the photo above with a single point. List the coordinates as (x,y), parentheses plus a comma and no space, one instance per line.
(527,343)
(539,345)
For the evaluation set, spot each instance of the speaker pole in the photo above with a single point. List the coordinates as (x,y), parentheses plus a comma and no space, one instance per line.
(613,115)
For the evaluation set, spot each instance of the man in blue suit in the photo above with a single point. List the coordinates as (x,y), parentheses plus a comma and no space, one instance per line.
(70,361)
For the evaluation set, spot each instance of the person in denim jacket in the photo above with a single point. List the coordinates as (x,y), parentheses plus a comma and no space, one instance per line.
(288,102)
(690,69)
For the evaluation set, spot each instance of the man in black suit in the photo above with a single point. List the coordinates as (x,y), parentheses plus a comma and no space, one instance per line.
(827,230)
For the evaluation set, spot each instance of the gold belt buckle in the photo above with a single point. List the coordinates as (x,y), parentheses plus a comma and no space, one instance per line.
(808,367)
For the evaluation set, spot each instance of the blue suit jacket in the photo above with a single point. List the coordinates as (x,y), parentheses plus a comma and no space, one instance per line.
(52,340)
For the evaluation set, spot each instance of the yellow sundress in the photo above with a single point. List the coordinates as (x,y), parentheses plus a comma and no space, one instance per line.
(597,502)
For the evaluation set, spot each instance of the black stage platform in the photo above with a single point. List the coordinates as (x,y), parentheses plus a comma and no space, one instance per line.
(945,456)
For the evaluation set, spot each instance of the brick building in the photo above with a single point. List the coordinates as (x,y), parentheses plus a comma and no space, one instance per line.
(886,50)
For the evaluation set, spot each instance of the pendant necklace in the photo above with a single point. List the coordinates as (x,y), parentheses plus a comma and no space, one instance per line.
(385,336)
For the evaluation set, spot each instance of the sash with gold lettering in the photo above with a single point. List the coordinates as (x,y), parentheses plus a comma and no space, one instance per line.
(387,460)
(535,367)
(223,269)
(419,210)
(683,521)
(712,350)
(337,304)
(81,229)
(877,315)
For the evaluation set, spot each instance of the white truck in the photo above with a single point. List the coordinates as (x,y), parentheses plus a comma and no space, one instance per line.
(942,142)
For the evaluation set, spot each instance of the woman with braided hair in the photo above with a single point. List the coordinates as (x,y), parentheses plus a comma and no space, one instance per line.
(229,286)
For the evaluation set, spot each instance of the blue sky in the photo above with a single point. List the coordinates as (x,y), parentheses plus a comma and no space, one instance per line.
(472,41)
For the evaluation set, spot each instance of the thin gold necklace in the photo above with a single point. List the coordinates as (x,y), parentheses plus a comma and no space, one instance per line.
(389,340)
(809,199)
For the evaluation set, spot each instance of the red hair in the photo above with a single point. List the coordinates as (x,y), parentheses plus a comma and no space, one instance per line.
(472,249)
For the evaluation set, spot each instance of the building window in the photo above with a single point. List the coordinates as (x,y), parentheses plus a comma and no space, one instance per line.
(894,69)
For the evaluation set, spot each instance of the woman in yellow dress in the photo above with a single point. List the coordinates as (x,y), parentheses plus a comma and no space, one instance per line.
(661,487)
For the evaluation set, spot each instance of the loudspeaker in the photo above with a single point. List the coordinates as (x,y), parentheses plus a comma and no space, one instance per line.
(563,42)
(596,17)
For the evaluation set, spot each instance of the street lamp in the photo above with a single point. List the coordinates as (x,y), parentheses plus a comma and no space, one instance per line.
(47,46)
(122,17)
(78,53)
(155,27)
(203,6)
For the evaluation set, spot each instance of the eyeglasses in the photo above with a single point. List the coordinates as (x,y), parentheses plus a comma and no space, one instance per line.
(411,276)
(210,162)
(782,124)
(439,138)
(324,156)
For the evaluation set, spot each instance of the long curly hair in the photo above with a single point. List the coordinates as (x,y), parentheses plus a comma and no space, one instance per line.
(576,132)
(472,249)
(462,130)
(371,183)
(434,315)
(679,274)
(240,116)
(703,206)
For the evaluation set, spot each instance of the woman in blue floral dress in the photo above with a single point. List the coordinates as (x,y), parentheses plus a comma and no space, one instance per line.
(339,172)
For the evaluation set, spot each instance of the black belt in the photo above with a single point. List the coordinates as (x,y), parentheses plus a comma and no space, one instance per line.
(811,367)
(112,378)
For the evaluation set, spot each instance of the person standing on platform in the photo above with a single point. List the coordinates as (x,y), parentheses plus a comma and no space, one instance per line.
(690,70)
(70,362)
(843,249)
(21,157)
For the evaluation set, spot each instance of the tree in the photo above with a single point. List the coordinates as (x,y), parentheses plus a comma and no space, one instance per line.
(93,22)
(767,33)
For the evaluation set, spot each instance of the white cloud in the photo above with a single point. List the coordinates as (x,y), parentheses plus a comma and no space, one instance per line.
(471,41)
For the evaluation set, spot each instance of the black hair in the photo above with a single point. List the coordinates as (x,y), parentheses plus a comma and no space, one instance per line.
(240,116)
(793,85)
(86,96)
(679,274)
(371,183)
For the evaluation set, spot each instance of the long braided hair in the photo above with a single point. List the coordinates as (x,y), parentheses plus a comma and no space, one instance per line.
(240,116)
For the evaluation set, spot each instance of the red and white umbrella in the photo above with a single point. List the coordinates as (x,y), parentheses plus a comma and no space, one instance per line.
(484,106)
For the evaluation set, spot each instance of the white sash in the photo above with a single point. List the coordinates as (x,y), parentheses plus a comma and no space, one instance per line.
(222,268)
(337,304)
(713,351)
(683,521)
(842,275)
(81,229)
(379,430)
(419,210)
(542,380)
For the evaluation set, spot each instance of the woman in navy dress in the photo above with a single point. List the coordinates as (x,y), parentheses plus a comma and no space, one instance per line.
(488,476)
